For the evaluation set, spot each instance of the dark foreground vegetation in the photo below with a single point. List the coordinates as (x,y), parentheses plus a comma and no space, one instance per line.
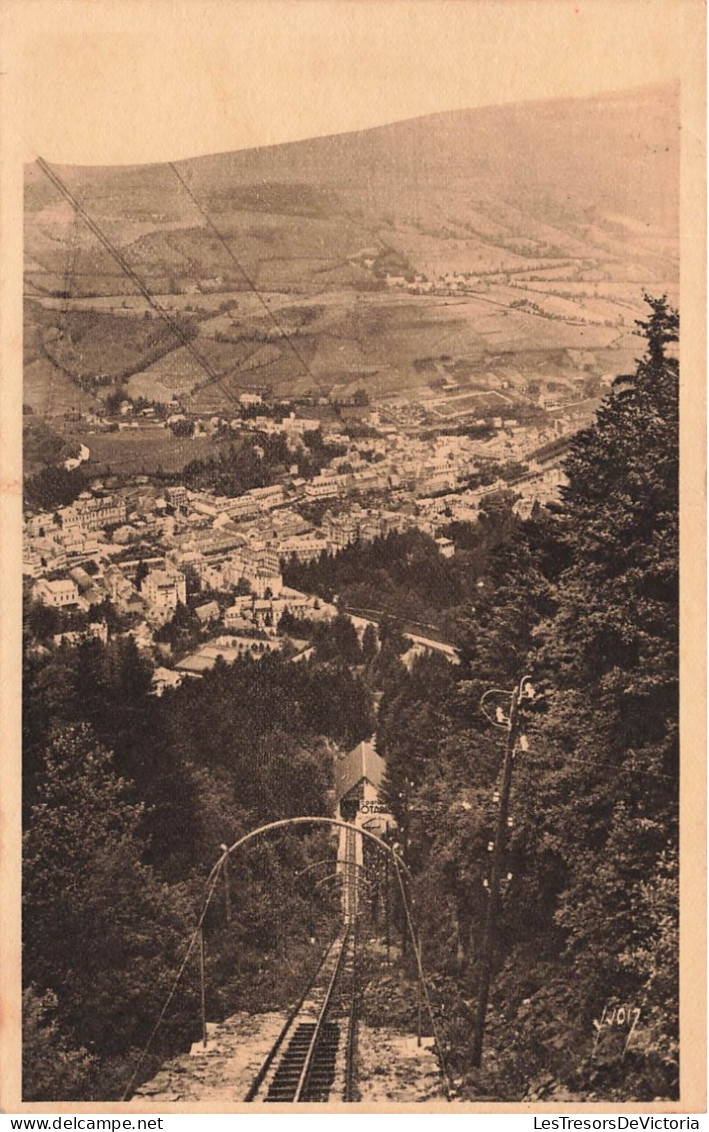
(128,797)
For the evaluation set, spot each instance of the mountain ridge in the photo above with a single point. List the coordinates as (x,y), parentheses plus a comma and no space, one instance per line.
(672,88)
(521,226)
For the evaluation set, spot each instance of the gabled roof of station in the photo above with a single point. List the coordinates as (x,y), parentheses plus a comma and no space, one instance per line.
(361,762)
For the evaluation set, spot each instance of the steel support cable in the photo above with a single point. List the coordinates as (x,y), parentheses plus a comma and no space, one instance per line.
(247,278)
(126,267)
(448,1084)
(351,1046)
(211,886)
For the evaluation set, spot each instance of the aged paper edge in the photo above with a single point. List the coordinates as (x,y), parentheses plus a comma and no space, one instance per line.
(692,17)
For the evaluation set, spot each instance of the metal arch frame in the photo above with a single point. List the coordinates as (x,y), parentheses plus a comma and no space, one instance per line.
(282,823)
(210,888)
(399,865)
(327,861)
(360,882)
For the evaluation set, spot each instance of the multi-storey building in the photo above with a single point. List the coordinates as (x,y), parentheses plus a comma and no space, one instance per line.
(163,591)
(260,568)
(323,487)
(340,531)
(266,497)
(269,559)
(31,561)
(40,525)
(59,593)
(264,583)
(306,548)
(102,511)
(287,523)
(243,507)
(70,519)
(177,496)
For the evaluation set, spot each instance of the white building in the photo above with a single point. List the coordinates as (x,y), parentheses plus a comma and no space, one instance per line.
(163,678)
(58,594)
(267,497)
(242,507)
(296,426)
(263,583)
(163,591)
(446,547)
(177,496)
(31,561)
(322,487)
(94,514)
(305,547)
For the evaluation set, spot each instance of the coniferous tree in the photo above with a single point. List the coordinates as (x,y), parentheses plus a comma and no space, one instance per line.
(599,796)
(101,933)
(369,643)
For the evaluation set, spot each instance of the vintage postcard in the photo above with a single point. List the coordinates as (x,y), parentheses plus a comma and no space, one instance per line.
(353,389)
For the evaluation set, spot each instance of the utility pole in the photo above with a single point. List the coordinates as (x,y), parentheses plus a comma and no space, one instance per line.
(386,911)
(227,887)
(202,988)
(523,690)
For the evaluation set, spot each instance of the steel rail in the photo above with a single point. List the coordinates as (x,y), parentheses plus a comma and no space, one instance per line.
(314,1041)
(293,1014)
(351,1047)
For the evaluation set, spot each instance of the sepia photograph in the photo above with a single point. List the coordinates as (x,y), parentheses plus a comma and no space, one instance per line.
(347,372)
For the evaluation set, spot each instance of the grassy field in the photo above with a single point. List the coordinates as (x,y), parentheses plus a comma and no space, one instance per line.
(47,390)
(389,342)
(142,450)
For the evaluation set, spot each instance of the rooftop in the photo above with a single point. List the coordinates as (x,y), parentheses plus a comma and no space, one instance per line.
(361,762)
(60,585)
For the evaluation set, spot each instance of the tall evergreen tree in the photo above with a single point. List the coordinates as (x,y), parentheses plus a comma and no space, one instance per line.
(100,930)
(600,795)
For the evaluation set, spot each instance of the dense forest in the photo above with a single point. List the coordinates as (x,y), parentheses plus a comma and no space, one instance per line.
(128,796)
(405,576)
(258,460)
(127,799)
(586,602)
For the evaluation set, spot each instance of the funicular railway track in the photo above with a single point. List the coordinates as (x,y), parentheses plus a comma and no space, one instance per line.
(313,1056)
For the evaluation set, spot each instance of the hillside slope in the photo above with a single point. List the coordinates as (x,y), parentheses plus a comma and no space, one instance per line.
(551,179)
(556,216)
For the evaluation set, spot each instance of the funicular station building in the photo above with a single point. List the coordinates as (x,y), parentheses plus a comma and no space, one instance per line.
(359,776)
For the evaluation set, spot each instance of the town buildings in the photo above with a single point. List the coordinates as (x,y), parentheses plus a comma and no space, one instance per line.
(392,479)
(163,591)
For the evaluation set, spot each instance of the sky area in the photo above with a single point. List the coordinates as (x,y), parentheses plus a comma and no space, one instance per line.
(132,81)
